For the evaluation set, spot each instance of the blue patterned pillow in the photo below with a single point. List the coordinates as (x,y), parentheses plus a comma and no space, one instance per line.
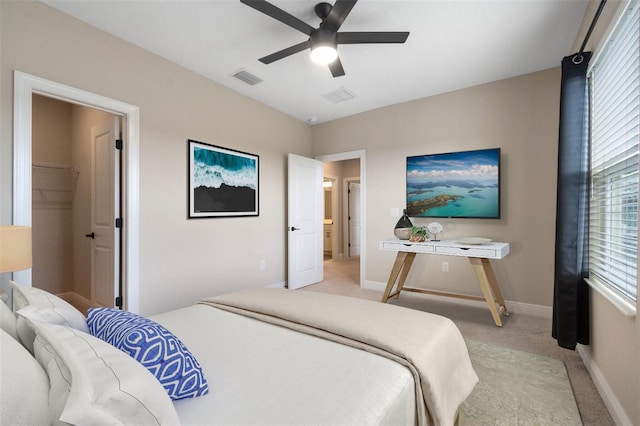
(155,347)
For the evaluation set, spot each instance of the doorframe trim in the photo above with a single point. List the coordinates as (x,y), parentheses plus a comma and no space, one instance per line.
(362,156)
(345,217)
(25,85)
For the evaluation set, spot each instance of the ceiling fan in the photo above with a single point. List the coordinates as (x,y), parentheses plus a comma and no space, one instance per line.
(324,40)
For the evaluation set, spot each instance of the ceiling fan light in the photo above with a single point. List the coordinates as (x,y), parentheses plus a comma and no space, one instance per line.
(324,54)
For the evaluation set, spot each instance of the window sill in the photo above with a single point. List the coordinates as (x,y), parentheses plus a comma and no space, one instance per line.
(624,305)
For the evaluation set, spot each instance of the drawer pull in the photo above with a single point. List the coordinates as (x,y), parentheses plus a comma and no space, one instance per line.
(464,248)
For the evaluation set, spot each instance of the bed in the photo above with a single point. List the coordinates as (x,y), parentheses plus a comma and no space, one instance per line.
(270,357)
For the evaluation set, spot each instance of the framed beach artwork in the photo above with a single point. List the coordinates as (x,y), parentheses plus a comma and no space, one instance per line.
(223,182)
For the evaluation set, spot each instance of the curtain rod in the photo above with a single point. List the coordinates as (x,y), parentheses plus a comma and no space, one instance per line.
(593,24)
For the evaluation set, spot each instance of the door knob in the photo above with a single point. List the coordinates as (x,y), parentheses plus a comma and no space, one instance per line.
(91,235)
(293,228)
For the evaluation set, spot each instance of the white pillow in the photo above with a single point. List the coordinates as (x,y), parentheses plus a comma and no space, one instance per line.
(107,386)
(59,377)
(24,387)
(8,321)
(50,308)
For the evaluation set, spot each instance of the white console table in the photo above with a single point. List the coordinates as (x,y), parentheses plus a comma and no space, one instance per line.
(478,255)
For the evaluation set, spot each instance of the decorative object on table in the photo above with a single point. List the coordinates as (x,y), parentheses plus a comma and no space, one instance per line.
(435,228)
(418,234)
(402,231)
(454,185)
(473,241)
(222,182)
(15,250)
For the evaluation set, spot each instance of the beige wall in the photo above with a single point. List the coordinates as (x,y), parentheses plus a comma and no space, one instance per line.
(351,168)
(181,260)
(615,339)
(519,115)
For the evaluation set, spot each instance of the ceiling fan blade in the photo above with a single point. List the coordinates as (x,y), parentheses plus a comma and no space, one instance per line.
(338,14)
(336,68)
(373,37)
(279,15)
(285,52)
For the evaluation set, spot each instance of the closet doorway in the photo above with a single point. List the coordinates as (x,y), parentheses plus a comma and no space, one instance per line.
(25,86)
(75,200)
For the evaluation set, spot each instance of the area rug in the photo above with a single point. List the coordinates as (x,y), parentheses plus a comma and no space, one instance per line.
(518,388)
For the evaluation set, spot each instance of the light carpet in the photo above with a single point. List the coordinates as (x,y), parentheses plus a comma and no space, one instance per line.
(518,388)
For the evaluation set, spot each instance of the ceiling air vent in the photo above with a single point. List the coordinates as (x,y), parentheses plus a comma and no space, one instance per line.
(247,77)
(339,95)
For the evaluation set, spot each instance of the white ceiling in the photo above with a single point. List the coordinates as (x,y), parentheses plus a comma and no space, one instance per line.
(453,44)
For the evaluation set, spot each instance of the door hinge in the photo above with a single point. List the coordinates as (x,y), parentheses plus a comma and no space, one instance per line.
(119,302)
(118,143)
(118,223)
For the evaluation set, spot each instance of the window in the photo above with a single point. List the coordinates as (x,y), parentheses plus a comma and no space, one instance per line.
(615,121)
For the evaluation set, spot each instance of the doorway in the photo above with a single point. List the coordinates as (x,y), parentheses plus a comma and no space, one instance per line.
(25,86)
(71,176)
(328,225)
(344,261)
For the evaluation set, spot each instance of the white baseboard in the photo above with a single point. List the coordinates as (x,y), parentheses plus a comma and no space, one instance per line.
(513,307)
(281,284)
(619,415)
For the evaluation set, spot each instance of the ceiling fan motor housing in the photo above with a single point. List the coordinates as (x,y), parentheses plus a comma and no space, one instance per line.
(322,37)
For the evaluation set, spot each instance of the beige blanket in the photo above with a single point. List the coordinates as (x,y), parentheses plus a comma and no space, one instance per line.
(431,346)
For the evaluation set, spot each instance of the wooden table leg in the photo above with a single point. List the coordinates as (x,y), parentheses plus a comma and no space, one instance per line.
(405,271)
(485,286)
(488,270)
(398,266)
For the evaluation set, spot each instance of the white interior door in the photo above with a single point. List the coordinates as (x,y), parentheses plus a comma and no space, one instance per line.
(355,214)
(105,208)
(305,221)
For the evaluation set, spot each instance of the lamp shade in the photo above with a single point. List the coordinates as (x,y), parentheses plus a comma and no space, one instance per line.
(15,248)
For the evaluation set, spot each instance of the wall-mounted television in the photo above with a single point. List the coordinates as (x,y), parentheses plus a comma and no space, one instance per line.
(462,184)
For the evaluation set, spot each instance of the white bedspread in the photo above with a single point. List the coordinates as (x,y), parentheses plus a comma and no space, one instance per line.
(263,374)
(431,346)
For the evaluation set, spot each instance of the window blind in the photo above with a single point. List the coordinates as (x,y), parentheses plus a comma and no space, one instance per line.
(615,130)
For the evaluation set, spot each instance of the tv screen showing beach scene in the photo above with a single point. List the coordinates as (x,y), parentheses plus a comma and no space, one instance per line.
(457,184)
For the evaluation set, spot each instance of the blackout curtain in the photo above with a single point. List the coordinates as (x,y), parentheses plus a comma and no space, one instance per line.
(571,295)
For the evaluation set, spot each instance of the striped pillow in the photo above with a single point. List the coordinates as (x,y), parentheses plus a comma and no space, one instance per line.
(152,345)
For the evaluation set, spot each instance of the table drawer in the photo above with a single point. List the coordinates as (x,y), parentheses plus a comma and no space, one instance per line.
(409,247)
(490,253)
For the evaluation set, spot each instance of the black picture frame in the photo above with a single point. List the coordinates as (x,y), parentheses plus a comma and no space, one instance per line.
(222,182)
